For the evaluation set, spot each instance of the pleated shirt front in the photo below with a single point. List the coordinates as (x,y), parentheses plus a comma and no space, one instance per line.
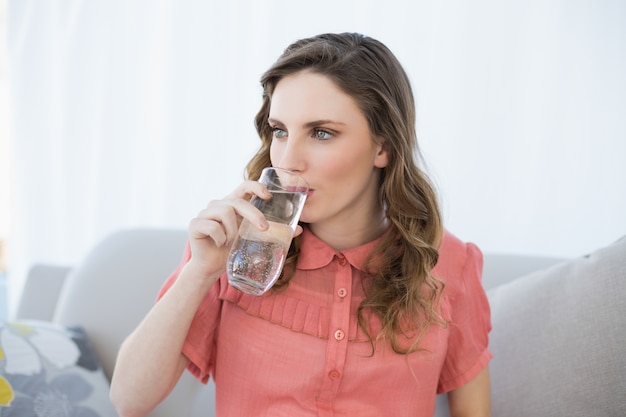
(300,351)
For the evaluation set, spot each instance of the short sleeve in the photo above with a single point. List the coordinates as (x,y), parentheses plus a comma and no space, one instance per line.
(199,346)
(470,318)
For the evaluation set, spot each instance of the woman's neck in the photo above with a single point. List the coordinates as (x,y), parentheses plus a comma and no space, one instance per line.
(350,235)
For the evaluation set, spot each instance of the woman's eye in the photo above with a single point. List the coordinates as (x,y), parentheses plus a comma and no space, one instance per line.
(278,132)
(322,134)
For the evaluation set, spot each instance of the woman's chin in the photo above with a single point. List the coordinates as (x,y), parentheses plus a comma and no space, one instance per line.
(306,216)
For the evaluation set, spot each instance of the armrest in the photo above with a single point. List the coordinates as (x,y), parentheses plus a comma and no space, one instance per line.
(41,291)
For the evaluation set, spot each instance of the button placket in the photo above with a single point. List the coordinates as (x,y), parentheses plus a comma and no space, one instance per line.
(337,343)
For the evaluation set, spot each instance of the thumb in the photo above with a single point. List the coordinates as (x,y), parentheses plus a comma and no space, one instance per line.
(298,231)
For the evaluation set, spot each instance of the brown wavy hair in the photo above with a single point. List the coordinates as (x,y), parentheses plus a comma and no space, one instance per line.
(402,292)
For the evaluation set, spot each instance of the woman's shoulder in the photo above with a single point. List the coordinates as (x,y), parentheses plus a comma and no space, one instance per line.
(458,260)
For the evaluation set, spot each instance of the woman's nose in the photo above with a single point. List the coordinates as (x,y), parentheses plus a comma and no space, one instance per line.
(289,155)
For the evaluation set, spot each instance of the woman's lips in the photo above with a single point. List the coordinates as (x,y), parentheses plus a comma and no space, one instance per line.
(300,190)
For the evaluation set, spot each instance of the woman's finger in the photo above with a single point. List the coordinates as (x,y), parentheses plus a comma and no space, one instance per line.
(220,219)
(248,189)
(298,231)
(228,212)
(202,228)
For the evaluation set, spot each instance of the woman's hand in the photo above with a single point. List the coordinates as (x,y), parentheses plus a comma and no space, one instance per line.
(213,231)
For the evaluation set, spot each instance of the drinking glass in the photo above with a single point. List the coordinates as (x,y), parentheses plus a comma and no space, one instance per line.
(257,257)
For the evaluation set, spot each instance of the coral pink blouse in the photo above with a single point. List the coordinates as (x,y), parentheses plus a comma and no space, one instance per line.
(300,352)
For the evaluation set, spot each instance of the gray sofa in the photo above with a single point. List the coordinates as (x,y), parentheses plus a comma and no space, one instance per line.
(559,334)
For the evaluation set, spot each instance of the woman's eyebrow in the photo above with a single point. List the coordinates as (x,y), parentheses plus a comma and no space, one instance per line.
(313,123)
(274,122)
(323,122)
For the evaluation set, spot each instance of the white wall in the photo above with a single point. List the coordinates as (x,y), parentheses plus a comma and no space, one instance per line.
(5,145)
(136,113)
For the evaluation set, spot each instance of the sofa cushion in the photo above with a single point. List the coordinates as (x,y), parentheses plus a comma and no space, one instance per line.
(50,370)
(559,339)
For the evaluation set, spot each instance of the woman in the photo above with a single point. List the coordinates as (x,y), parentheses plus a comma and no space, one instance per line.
(378,308)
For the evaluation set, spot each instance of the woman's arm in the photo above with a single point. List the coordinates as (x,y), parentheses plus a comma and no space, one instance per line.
(150,361)
(472,399)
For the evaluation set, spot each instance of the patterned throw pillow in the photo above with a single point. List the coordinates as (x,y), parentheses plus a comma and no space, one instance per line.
(50,370)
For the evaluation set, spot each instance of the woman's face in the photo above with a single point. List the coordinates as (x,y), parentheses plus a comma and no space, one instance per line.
(320,132)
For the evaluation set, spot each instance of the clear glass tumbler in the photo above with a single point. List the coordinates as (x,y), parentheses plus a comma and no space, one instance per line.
(257,257)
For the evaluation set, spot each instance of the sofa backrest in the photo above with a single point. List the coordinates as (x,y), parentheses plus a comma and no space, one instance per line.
(113,288)
(559,339)
(41,291)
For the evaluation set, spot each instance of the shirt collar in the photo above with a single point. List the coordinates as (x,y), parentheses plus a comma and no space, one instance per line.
(315,253)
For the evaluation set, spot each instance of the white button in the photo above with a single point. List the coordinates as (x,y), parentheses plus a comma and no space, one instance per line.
(342,292)
(339,335)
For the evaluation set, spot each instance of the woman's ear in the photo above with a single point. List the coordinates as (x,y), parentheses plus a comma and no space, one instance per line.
(381,159)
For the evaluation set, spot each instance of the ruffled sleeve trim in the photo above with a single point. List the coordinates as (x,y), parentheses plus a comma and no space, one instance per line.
(480,364)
